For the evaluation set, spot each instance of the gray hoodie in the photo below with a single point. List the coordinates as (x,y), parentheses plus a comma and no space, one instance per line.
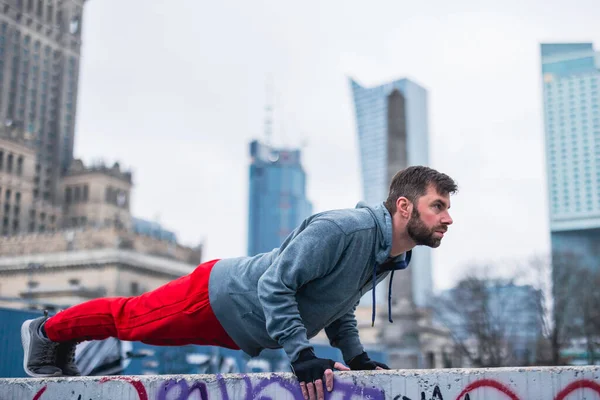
(314,281)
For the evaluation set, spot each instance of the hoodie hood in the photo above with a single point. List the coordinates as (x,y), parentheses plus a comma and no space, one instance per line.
(383,244)
(382,250)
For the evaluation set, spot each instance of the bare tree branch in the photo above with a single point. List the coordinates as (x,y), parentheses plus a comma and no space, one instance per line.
(484,316)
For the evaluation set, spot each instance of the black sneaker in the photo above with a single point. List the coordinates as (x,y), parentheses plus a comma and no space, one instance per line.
(65,359)
(39,358)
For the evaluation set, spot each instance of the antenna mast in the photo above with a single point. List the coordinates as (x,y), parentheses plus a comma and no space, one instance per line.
(268,111)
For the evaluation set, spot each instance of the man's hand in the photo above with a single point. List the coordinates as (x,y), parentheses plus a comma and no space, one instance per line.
(310,371)
(362,362)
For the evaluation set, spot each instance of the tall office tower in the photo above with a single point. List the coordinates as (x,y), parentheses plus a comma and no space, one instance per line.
(392,135)
(40,44)
(571,76)
(277,196)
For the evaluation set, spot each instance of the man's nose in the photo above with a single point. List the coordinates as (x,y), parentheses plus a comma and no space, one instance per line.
(447,220)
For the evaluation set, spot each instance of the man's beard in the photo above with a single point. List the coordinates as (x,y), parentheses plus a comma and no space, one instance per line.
(420,234)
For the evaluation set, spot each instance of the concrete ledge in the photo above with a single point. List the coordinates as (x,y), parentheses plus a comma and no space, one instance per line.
(564,383)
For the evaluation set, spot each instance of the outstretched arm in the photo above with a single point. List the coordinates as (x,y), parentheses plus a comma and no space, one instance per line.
(311,254)
(343,334)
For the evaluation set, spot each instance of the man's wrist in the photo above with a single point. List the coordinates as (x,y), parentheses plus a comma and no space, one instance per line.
(359,359)
(305,355)
(293,345)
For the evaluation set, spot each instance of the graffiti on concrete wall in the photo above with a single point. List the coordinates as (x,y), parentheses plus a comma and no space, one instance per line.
(278,386)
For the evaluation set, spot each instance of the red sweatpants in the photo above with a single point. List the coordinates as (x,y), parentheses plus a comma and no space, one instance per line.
(177,313)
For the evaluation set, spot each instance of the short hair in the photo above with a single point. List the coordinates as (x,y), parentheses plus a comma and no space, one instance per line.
(412,183)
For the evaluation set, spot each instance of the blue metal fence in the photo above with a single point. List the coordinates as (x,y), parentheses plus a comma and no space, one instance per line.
(11,351)
(114,357)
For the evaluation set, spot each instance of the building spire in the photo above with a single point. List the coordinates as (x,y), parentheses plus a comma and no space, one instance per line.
(268,110)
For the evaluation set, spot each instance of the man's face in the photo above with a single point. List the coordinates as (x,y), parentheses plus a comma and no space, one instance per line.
(429,219)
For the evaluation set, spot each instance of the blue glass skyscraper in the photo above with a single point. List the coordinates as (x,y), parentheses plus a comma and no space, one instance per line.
(571,76)
(393,134)
(277,196)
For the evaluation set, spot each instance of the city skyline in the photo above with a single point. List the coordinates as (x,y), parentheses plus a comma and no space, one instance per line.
(483,135)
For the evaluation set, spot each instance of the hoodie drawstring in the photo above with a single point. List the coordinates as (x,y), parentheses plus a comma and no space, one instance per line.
(373,290)
(390,297)
(401,265)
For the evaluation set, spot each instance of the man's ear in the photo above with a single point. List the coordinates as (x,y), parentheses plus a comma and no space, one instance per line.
(404,207)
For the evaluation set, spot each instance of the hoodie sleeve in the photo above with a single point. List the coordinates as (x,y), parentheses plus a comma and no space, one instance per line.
(343,334)
(312,254)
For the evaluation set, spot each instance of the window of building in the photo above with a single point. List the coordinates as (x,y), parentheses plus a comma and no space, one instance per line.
(20,165)
(76,194)
(68,195)
(121,199)
(49,13)
(134,288)
(74,282)
(9,163)
(85,193)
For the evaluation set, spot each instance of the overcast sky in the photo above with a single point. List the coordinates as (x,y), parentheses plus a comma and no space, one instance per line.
(176,90)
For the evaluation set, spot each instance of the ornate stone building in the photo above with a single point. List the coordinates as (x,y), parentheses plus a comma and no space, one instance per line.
(40,46)
(56,280)
(66,230)
(86,244)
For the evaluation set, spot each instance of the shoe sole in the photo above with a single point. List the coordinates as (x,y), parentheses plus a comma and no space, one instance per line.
(26,341)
